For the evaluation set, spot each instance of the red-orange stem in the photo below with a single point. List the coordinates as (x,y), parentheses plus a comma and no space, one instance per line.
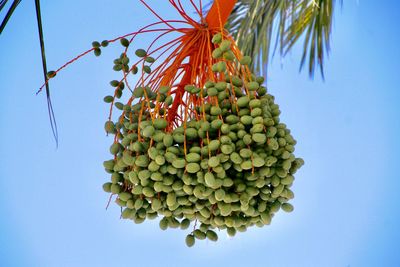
(219,13)
(179,92)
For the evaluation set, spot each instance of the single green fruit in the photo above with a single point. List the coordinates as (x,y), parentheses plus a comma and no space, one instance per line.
(115,148)
(109,126)
(125,60)
(214,145)
(164,89)
(160,160)
(134,70)
(210,179)
(213,162)
(144,174)
(235,158)
(147,69)
(96,44)
(109,164)
(193,157)
(231,231)
(126,213)
(287,207)
(104,43)
(217,38)
(51,74)
(168,140)
(219,194)
(190,240)
(163,223)
(140,52)
(108,99)
(229,56)
(212,91)
(245,153)
(192,167)
(260,79)
(149,59)
(258,162)
(148,192)
(171,199)
(191,133)
(156,204)
(138,92)
(124,42)
(119,105)
(185,223)
(217,53)
(259,138)
(221,66)
(246,119)
(97,52)
(211,235)
(125,196)
(160,123)
(255,103)
(236,81)
(115,188)
(220,86)
(215,111)
(227,149)
(246,60)
(148,131)
(253,86)
(261,91)
(225,45)
(117,67)
(246,165)
(107,187)
(243,101)
(216,124)
(142,161)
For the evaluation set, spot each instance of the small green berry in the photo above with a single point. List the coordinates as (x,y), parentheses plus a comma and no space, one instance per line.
(96,44)
(141,52)
(124,42)
(97,52)
(104,43)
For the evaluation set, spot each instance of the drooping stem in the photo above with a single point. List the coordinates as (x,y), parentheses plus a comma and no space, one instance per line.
(216,19)
(219,13)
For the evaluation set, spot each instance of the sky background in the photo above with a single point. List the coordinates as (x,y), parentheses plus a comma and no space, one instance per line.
(52,206)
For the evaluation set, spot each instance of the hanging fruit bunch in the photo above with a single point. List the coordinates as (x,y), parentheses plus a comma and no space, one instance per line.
(197,140)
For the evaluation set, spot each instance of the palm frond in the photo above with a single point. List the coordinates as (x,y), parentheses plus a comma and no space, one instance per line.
(53,122)
(257,24)
(3,4)
(9,12)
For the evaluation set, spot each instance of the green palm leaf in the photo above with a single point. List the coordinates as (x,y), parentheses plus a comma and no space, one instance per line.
(9,12)
(8,15)
(53,122)
(257,25)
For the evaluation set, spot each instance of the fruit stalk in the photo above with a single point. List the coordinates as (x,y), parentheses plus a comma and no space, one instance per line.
(216,18)
(219,13)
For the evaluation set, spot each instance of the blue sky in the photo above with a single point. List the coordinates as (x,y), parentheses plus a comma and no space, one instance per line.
(347,128)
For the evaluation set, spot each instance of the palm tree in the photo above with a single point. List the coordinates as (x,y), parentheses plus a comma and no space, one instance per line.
(260,27)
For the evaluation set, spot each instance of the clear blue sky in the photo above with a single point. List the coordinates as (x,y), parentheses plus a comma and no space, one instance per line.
(52,207)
